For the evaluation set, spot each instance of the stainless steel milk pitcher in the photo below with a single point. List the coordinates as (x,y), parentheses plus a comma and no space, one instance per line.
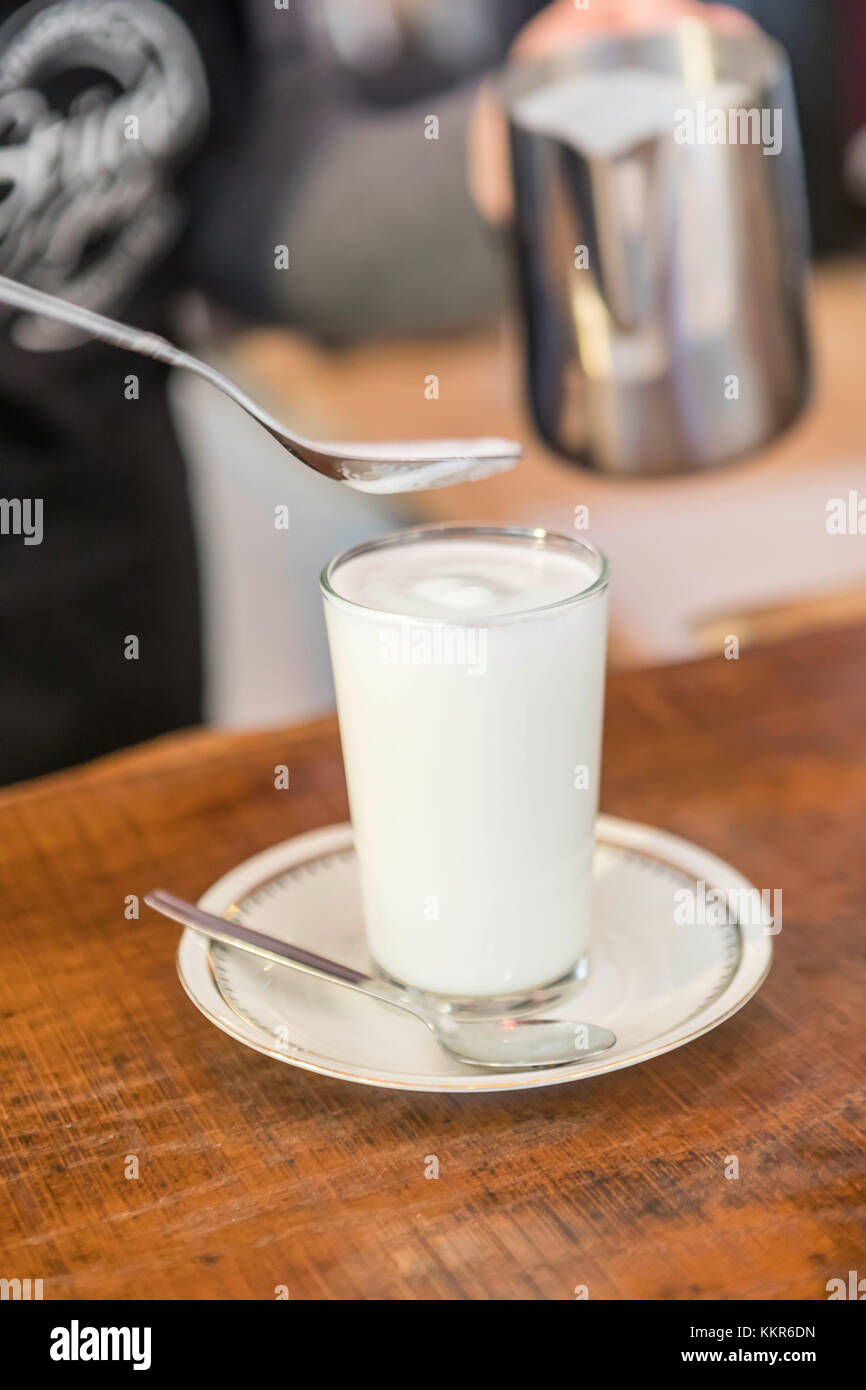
(662,244)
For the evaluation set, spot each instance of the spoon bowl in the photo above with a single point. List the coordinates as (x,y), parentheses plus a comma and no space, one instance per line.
(514,1044)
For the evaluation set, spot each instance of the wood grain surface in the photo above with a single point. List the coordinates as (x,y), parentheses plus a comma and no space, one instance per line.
(254,1175)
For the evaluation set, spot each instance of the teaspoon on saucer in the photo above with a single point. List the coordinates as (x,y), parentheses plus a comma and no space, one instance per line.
(504,1042)
(380,468)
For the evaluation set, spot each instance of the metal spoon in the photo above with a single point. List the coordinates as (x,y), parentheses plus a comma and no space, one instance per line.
(487,1042)
(380,468)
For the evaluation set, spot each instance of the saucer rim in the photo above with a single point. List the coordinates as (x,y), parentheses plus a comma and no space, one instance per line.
(193,956)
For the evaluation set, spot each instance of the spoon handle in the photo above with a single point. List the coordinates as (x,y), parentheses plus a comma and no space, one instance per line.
(124,335)
(121,335)
(233,933)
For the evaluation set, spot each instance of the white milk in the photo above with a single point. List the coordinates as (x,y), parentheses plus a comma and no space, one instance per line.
(467,723)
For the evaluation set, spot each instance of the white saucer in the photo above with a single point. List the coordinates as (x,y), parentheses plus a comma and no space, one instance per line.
(656,984)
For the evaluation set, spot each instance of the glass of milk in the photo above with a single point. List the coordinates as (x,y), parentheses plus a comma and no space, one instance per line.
(469,669)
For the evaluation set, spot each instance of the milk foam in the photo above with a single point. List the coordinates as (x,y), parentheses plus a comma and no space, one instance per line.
(456,580)
(605,113)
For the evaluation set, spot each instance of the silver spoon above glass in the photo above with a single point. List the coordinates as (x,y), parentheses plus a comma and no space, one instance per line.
(380,468)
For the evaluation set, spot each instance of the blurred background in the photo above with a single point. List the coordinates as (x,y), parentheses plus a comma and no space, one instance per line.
(285,213)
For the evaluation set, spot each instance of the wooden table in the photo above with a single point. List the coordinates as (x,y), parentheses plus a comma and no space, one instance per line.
(254,1175)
